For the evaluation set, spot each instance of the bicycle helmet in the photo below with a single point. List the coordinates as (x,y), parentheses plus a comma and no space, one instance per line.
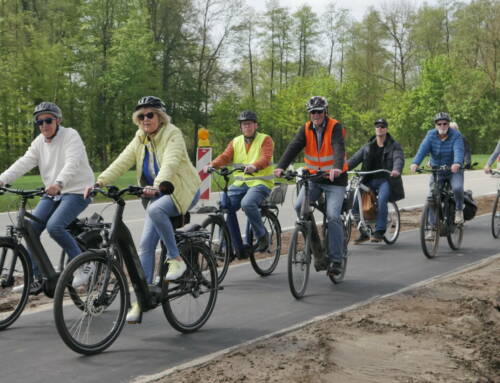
(317,103)
(47,107)
(442,116)
(247,115)
(381,121)
(152,102)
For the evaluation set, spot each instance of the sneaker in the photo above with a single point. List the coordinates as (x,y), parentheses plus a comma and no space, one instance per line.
(82,275)
(377,236)
(262,243)
(35,287)
(335,268)
(134,315)
(459,217)
(363,237)
(175,269)
(429,236)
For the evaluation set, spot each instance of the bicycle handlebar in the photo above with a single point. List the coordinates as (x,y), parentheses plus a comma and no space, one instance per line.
(305,175)
(166,188)
(434,169)
(24,193)
(225,171)
(363,173)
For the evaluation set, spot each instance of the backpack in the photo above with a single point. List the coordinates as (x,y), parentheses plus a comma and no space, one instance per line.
(470,206)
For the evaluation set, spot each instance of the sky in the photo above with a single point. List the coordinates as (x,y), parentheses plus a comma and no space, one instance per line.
(357,7)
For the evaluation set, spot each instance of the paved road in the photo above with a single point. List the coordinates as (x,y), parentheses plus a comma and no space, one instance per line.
(247,308)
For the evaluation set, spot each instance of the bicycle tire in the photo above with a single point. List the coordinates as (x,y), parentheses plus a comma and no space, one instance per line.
(299,262)
(15,270)
(220,244)
(393,223)
(430,246)
(98,307)
(265,265)
(181,297)
(495,218)
(336,279)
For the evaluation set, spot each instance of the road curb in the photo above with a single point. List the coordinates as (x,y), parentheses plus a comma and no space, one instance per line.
(208,358)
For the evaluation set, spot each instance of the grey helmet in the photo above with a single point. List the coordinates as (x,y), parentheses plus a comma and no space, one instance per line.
(152,102)
(442,116)
(247,115)
(317,103)
(47,107)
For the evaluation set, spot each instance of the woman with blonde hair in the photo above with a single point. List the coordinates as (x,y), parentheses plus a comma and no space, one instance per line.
(159,154)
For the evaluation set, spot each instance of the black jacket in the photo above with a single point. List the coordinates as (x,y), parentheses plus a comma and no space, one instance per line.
(393,160)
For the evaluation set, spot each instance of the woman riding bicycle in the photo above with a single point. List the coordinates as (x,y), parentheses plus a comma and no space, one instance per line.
(61,157)
(159,153)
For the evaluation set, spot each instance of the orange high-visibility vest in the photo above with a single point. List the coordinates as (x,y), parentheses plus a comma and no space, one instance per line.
(322,160)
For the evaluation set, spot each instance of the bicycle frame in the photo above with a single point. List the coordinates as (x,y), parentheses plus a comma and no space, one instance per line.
(442,197)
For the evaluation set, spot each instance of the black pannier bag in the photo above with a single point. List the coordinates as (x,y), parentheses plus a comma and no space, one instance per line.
(470,206)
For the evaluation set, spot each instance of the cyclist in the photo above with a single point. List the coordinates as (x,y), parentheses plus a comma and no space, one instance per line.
(494,156)
(322,139)
(159,153)
(446,147)
(467,150)
(254,150)
(61,157)
(381,152)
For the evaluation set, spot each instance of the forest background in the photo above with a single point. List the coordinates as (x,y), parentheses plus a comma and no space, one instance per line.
(210,59)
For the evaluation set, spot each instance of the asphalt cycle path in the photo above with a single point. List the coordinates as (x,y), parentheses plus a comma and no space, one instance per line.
(247,308)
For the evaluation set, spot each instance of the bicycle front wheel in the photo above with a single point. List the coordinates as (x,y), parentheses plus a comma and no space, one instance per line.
(189,301)
(455,235)
(430,229)
(393,223)
(495,218)
(15,278)
(265,263)
(105,299)
(299,262)
(220,244)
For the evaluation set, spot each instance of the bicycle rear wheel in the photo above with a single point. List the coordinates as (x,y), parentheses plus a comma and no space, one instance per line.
(15,279)
(265,263)
(393,223)
(299,262)
(105,301)
(189,301)
(430,229)
(220,244)
(495,218)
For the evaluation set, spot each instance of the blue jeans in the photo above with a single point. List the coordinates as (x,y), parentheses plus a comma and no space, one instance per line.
(249,199)
(457,185)
(334,198)
(56,215)
(382,188)
(157,225)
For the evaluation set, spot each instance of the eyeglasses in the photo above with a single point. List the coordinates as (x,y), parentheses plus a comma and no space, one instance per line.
(149,115)
(47,120)
(441,123)
(317,111)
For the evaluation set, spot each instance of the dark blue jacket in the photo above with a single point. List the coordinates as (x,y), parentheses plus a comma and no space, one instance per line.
(447,152)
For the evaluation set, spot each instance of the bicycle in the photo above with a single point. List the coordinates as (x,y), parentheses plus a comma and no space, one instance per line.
(438,216)
(495,213)
(16,273)
(220,239)
(306,241)
(187,302)
(354,191)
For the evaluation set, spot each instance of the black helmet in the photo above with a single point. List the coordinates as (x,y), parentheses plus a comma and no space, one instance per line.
(442,116)
(317,103)
(47,107)
(381,121)
(247,115)
(152,102)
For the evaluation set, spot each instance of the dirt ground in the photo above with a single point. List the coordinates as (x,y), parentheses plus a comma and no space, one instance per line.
(445,331)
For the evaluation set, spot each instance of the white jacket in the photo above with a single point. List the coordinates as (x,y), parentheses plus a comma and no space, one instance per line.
(64,160)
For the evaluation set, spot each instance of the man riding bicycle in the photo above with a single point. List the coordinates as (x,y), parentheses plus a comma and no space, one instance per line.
(495,156)
(446,147)
(381,152)
(253,150)
(322,139)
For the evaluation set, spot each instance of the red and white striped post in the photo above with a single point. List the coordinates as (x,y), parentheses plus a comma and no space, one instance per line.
(203,158)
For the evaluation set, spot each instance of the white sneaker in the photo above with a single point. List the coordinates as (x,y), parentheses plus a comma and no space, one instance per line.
(459,217)
(82,275)
(175,269)
(429,236)
(134,314)
(35,288)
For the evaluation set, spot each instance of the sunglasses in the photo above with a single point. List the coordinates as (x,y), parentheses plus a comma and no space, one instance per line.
(317,111)
(47,120)
(149,115)
(441,123)
(381,126)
